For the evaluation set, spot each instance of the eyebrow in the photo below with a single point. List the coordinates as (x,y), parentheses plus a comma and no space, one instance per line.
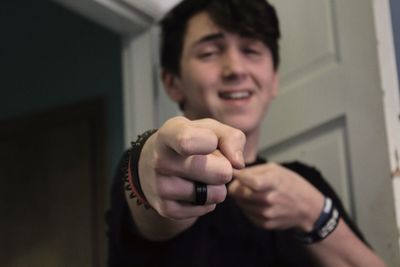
(209,38)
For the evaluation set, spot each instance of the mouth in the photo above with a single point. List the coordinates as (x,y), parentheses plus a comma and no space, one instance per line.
(235,95)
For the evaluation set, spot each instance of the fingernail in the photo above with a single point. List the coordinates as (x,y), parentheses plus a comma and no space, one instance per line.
(239,159)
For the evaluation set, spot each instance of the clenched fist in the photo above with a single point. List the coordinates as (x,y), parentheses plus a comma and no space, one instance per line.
(182,152)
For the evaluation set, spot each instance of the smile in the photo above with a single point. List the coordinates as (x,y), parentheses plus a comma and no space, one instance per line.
(235,95)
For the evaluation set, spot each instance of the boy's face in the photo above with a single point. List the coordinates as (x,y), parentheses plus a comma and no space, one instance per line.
(223,76)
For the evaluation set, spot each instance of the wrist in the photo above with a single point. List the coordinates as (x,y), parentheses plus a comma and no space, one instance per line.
(132,181)
(323,226)
(312,212)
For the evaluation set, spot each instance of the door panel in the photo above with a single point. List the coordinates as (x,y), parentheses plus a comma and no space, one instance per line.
(316,48)
(52,189)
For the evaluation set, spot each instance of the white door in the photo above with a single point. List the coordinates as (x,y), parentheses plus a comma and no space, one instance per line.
(329,110)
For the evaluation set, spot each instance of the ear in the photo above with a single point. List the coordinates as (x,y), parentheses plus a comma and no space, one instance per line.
(172,86)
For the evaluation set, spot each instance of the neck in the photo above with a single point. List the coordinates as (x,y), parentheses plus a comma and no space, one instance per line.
(250,149)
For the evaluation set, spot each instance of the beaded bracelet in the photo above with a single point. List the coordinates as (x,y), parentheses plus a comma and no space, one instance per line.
(323,227)
(132,182)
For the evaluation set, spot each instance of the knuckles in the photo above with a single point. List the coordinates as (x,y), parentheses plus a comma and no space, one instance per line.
(167,128)
(257,184)
(269,199)
(218,169)
(164,188)
(238,135)
(160,164)
(185,140)
(223,175)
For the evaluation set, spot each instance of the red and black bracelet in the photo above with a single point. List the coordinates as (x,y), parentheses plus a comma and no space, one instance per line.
(131,178)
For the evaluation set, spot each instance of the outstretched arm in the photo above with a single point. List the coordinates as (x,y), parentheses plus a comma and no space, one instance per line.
(178,154)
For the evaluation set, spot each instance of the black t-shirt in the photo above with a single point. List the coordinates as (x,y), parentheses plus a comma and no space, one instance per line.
(224,237)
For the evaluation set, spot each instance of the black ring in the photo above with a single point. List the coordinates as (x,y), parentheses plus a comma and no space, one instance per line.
(200,192)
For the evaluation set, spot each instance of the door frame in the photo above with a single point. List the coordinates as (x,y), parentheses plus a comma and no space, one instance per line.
(133,24)
(391,95)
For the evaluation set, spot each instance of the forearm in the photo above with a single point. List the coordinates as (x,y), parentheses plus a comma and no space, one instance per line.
(153,226)
(343,248)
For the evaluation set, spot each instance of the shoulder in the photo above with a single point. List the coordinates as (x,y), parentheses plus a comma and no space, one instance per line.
(309,173)
(299,167)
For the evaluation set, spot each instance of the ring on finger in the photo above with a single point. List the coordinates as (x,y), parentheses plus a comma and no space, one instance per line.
(200,193)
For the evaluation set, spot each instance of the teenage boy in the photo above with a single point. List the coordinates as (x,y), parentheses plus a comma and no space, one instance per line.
(194,192)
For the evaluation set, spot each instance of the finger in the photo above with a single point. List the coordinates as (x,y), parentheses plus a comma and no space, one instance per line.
(178,189)
(203,137)
(246,195)
(271,217)
(181,210)
(238,191)
(231,141)
(257,178)
(212,169)
(185,138)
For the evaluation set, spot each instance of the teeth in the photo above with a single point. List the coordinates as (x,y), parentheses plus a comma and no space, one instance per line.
(235,95)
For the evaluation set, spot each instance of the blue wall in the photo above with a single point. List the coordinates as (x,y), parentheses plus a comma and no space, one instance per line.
(395,12)
(51,57)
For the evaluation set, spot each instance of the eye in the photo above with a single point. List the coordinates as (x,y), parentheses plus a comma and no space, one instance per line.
(253,47)
(209,51)
(207,54)
(251,51)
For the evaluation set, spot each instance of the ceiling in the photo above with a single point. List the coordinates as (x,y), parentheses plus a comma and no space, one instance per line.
(154,8)
(127,17)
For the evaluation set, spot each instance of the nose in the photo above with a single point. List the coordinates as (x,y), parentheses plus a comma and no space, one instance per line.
(233,66)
